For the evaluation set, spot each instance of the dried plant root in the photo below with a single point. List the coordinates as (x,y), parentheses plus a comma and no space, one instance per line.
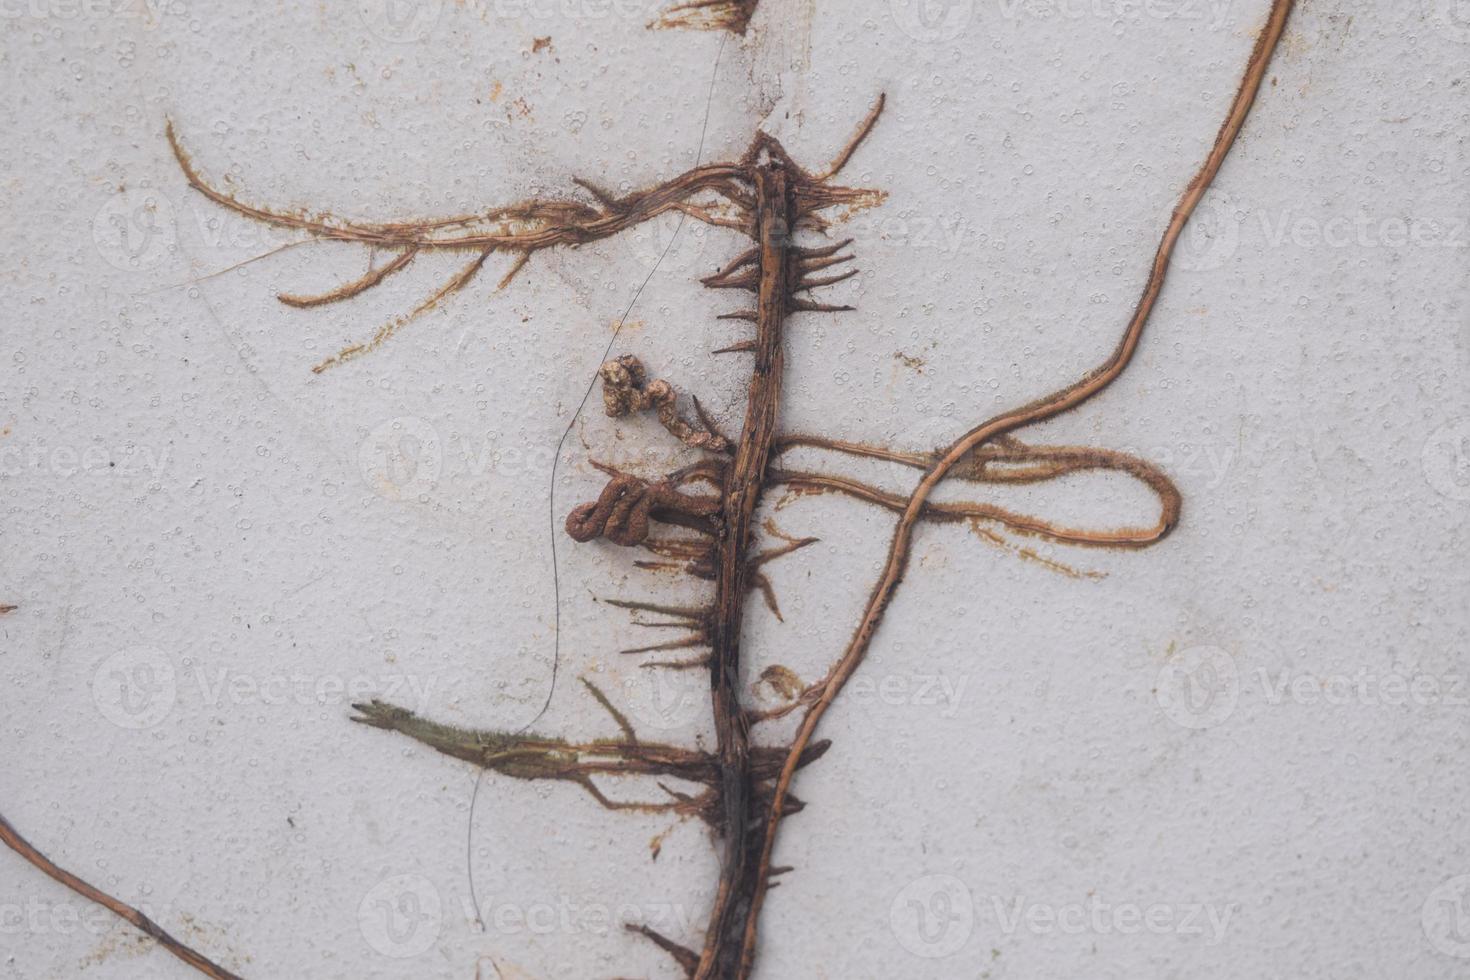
(522,229)
(12,839)
(708,15)
(987,432)
(626,389)
(1053,462)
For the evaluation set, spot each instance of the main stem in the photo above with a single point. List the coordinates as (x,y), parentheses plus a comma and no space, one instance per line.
(744,481)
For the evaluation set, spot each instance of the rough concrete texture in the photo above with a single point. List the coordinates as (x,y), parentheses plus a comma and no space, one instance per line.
(1238,754)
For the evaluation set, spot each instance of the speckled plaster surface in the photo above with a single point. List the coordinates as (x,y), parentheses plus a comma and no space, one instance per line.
(1239,754)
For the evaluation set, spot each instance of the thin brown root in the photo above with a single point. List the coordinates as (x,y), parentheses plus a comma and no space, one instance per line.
(617,715)
(520,263)
(238,265)
(823,252)
(810,284)
(691,613)
(685,957)
(354,288)
(696,664)
(386,332)
(916,460)
(864,128)
(1044,408)
(137,919)
(758,580)
(610,804)
(1170,502)
(697,640)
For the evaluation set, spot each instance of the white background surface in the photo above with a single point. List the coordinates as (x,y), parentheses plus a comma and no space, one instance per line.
(182,494)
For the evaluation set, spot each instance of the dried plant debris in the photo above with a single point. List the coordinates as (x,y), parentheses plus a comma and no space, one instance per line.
(698,520)
(708,15)
(717,194)
(524,755)
(12,839)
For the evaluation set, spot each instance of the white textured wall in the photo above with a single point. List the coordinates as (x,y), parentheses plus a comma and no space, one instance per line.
(196,526)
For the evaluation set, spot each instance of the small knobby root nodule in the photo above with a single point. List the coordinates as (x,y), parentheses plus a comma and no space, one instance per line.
(626,389)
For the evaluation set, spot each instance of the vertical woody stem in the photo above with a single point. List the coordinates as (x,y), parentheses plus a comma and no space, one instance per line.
(742,490)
